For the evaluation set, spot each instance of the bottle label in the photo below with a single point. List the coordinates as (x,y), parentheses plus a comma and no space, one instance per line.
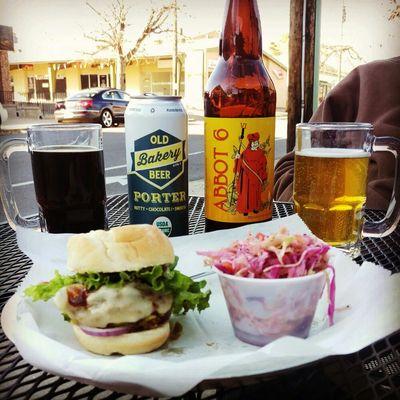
(239,178)
(158,183)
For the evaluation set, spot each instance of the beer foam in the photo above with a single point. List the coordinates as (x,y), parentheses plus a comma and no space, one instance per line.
(65,148)
(323,152)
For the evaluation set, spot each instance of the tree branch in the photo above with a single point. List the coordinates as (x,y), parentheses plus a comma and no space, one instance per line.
(99,39)
(154,24)
(101,15)
(111,34)
(99,48)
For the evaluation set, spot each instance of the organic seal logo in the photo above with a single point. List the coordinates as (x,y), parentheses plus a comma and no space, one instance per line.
(159,158)
(164,224)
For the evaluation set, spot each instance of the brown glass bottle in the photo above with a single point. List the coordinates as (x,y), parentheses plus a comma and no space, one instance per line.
(242,95)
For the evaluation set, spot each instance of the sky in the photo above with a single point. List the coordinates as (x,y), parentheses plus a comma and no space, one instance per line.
(58,26)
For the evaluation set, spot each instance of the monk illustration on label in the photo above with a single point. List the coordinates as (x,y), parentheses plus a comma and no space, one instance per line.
(250,172)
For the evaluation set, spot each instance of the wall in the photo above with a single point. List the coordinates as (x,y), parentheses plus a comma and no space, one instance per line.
(73,75)
(279,77)
(194,79)
(210,62)
(198,64)
(146,70)
(39,70)
(73,81)
(277,73)
(20,80)
(132,79)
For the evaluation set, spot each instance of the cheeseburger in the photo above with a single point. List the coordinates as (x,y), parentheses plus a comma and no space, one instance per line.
(124,289)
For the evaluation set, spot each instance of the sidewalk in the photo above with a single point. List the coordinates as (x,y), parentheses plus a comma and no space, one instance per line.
(19,125)
(16,125)
(196,125)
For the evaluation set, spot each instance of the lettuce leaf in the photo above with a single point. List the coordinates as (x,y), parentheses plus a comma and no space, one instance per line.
(46,290)
(163,279)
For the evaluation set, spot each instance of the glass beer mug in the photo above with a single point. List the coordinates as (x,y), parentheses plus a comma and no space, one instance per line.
(330,181)
(68,176)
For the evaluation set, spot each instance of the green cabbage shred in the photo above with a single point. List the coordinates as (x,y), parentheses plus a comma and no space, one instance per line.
(163,279)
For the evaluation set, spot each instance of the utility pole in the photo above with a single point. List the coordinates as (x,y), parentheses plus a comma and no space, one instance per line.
(341,41)
(175,80)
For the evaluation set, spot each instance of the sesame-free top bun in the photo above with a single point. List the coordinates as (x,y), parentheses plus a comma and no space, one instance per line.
(125,248)
(128,343)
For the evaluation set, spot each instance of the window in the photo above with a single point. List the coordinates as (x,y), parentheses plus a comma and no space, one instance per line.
(146,82)
(31,87)
(84,81)
(111,95)
(103,81)
(124,96)
(94,81)
(42,89)
(354,33)
(161,82)
(182,83)
(157,82)
(61,85)
(85,94)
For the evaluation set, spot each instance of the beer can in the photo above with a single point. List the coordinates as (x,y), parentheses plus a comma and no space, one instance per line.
(157,165)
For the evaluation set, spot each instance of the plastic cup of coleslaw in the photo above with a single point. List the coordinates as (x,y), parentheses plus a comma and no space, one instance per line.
(262,310)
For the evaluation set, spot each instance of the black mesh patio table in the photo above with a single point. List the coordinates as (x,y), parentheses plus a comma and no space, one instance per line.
(373,372)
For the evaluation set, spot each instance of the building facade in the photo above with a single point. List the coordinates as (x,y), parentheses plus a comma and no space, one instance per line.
(53,80)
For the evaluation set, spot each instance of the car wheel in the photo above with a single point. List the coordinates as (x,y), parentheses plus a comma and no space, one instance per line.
(107,119)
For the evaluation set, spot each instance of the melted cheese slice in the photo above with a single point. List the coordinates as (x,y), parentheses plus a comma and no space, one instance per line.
(113,306)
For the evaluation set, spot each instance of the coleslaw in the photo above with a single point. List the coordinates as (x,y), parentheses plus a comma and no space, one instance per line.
(275,256)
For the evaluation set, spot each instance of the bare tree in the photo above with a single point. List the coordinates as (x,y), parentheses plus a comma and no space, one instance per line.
(395,11)
(274,49)
(332,53)
(112,33)
(280,47)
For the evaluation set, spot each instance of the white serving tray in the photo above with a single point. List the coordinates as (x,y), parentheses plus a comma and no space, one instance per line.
(208,349)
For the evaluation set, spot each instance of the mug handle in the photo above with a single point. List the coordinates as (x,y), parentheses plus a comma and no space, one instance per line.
(14,218)
(388,224)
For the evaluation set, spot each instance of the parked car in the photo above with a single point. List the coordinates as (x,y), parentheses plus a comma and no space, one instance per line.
(3,115)
(106,106)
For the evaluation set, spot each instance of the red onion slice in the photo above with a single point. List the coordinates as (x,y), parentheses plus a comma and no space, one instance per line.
(105,332)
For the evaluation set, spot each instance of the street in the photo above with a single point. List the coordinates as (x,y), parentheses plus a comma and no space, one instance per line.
(115,165)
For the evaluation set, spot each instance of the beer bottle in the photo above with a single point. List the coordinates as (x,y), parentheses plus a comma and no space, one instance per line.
(239,102)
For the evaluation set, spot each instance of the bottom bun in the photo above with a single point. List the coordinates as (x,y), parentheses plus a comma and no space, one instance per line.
(128,343)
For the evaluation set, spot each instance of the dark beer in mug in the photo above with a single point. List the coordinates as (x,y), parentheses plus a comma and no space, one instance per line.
(70,188)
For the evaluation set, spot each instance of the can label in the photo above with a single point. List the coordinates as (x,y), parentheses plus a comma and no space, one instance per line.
(239,155)
(157,183)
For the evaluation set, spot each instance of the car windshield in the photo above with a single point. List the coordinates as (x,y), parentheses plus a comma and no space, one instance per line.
(84,94)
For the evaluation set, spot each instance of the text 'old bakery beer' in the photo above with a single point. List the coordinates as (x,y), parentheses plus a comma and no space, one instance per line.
(330,192)
(240,102)
(156,151)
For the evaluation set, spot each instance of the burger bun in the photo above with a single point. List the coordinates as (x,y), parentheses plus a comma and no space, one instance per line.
(128,343)
(124,248)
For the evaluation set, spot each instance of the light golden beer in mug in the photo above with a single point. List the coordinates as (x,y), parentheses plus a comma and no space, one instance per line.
(330,192)
(330,182)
